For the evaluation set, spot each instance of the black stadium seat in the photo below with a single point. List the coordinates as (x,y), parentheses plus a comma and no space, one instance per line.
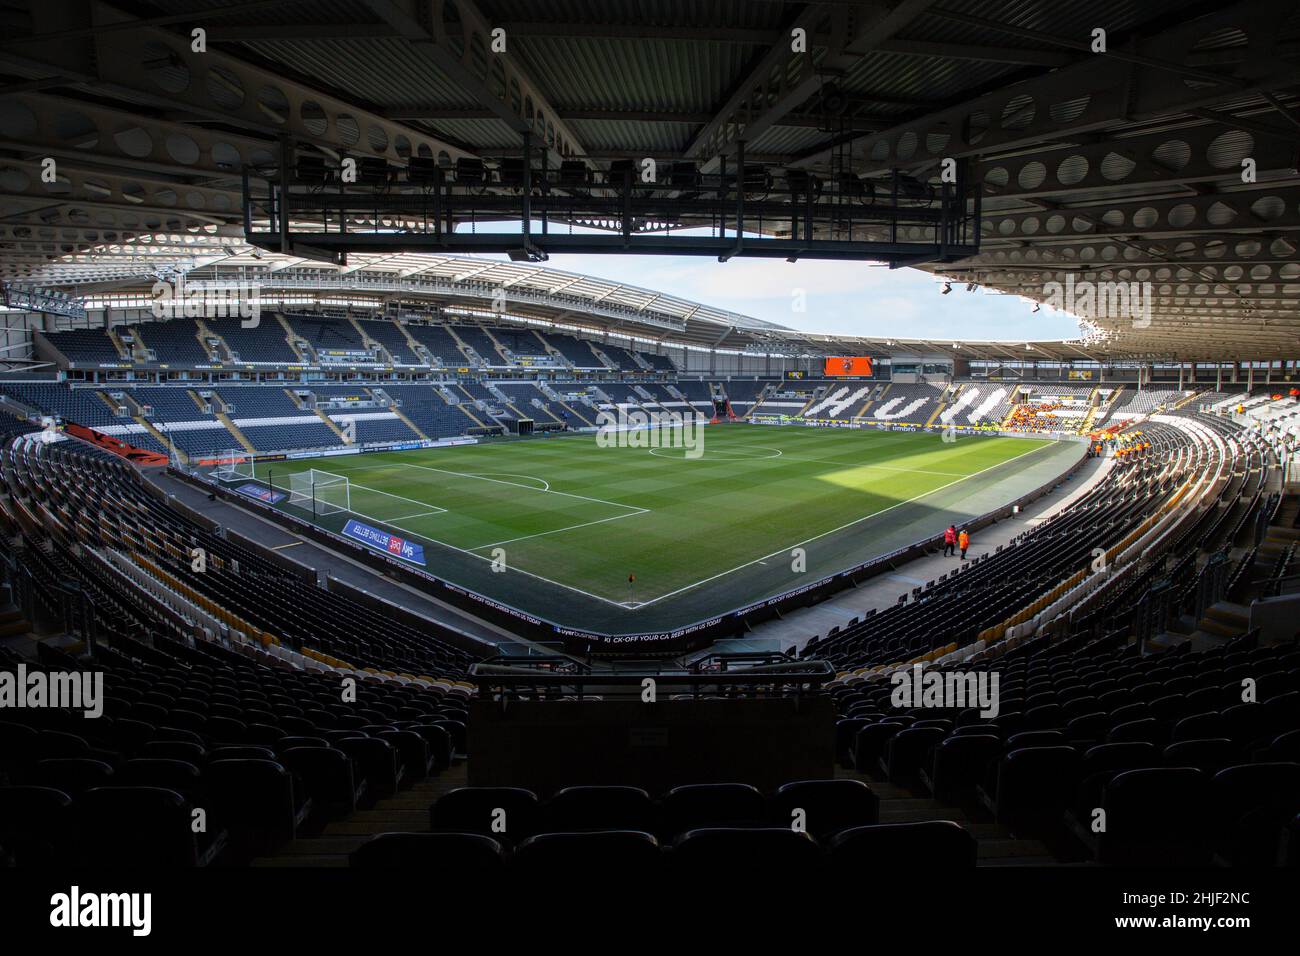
(604,854)
(37,826)
(463,853)
(933,844)
(1252,804)
(958,764)
(509,814)
(600,808)
(824,806)
(696,806)
(255,800)
(137,827)
(748,852)
(1156,817)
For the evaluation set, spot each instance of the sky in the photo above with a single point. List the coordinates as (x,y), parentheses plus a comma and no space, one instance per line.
(845,298)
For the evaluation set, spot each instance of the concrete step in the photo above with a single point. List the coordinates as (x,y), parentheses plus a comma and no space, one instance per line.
(1222,630)
(1228,612)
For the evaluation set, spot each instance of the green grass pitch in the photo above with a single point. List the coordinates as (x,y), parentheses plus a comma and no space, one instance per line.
(567,511)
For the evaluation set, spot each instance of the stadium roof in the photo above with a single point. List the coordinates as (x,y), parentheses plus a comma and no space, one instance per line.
(1170,158)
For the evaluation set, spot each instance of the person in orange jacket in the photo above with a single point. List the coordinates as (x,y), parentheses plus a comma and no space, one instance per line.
(963,542)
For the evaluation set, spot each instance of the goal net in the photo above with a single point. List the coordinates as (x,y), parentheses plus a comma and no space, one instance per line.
(234,465)
(320,492)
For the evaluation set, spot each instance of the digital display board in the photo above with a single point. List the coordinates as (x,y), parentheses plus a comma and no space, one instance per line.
(854,366)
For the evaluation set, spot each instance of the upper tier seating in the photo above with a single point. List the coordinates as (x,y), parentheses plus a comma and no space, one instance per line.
(519,342)
(85,347)
(259,401)
(387,333)
(577,351)
(477,339)
(174,342)
(622,358)
(440,344)
(325,332)
(265,343)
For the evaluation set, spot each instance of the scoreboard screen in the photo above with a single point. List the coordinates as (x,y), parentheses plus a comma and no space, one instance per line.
(853,366)
(794,375)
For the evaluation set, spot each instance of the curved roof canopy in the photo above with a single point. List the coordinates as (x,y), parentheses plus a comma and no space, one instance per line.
(1147,142)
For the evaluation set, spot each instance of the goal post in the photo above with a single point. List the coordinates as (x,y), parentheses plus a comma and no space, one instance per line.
(234,464)
(320,492)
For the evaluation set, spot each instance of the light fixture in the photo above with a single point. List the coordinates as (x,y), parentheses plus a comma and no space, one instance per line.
(1037,306)
(947,287)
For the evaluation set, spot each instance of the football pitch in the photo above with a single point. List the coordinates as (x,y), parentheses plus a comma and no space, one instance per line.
(556,525)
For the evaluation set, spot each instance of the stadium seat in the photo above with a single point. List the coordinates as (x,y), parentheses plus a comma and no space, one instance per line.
(327,777)
(1252,804)
(177,775)
(1034,786)
(600,808)
(751,853)
(907,752)
(461,853)
(175,750)
(607,853)
(1155,817)
(958,764)
(73,775)
(705,805)
(376,762)
(18,748)
(508,814)
(37,827)
(137,827)
(1204,726)
(1209,756)
(826,806)
(255,800)
(933,844)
